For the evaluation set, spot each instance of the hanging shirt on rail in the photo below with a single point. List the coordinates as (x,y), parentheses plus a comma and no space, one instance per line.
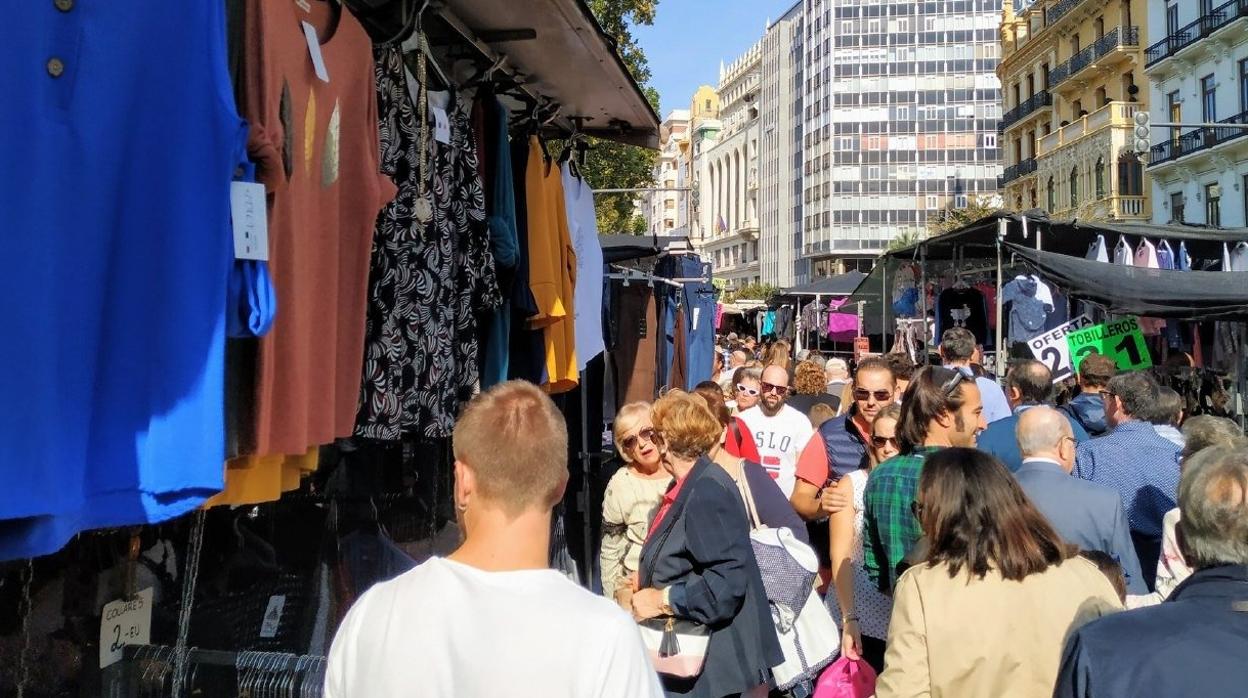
(120,137)
(552,269)
(315,144)
(587,305)
(966,308)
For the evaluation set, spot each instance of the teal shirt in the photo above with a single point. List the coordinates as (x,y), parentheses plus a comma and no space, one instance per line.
(891,526)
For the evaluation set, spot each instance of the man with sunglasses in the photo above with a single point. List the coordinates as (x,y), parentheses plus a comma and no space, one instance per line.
(841,445)
(779,431)
(941,408)
(957,348)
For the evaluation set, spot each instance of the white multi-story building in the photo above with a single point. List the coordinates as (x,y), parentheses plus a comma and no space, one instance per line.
(728,189)
(1197,70)
(900,120)
(665,211)
(780,156)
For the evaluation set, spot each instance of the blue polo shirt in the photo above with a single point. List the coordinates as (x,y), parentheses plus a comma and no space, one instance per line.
(120,138)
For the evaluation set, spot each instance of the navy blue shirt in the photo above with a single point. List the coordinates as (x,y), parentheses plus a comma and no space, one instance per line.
(1193,645)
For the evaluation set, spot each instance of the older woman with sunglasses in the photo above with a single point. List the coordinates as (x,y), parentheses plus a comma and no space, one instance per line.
(632,496)
(864,619)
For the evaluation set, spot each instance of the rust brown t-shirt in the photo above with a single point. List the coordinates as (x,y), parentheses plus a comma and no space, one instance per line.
(315,144)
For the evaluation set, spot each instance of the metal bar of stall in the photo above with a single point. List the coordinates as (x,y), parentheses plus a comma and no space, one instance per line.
(923,299)
(1002,229)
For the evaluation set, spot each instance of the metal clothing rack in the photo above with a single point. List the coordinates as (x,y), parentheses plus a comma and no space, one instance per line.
(299,675)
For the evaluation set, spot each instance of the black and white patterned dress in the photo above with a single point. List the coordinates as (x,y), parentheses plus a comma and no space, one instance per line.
(428,284)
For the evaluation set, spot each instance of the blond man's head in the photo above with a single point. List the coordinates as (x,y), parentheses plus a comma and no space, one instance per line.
(514,442)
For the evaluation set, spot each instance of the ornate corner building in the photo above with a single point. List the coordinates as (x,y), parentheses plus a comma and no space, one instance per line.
(1071,74)
(1197,69)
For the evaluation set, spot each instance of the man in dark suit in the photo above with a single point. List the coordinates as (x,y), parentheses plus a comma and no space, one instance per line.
(1028,384)
(1193,644)
(1084,513)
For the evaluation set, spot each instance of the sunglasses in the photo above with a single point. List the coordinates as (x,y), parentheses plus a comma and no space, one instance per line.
(862,395)
(752,392)
(631,442)
(778,389)
(952,384)
(882,441)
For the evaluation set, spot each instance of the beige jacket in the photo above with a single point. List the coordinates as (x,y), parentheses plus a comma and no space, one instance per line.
(990,637)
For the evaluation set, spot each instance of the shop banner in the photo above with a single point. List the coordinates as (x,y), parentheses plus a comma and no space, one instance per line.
(1120,340)
(1052,349)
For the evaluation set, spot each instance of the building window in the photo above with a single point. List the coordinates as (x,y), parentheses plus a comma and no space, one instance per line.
(1243,85)
(932,203)
(1052,191)
(1213,204)
(1172,17)
(1099,174)
(990,140)
(1208,99)
(961,201)
(1074,187)
(1176,207)
(1176,115)
(1130,175)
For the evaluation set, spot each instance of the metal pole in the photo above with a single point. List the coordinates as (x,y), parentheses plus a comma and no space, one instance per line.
(1002,227)
(586,459)
(884,309)
(923,299)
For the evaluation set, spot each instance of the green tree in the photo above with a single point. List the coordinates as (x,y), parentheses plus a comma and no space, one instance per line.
(611,165)
(951,219)
(752,292)
(905,240)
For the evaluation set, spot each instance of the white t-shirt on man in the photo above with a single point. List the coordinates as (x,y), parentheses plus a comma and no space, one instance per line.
(780,440)
(447,629)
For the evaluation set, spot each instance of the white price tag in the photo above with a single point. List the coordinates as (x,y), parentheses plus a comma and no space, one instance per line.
(1052,350)
(250,216)
(124,623)
(273,616)
(441,125)
(314,48)
(697,314)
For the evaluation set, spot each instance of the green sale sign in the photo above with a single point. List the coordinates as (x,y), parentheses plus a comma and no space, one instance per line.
(1120,340)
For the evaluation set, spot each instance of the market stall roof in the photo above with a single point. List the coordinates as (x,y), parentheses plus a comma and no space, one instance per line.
(1069,237)
(617,249)
(572,61)
(1142,291)
(839,285)
(1063,245)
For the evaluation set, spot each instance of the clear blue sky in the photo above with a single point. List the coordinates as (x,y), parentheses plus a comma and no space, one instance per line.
(690,37)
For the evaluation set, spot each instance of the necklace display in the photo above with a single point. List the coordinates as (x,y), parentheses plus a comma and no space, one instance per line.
(422,208)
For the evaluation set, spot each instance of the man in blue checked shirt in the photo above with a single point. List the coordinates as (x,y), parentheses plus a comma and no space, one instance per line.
(1136,461)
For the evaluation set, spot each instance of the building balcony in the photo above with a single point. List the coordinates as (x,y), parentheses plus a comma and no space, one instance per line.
(1020,113)
(1109,50)
(748,230)
(1198,140)
(1107,207)
(1058,12)
(1179,42)
(1017,171)
(1112,115)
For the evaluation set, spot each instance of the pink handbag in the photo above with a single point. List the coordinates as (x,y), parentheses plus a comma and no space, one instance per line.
(846,678)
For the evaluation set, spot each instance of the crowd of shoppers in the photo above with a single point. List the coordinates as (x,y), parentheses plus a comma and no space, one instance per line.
(974,540)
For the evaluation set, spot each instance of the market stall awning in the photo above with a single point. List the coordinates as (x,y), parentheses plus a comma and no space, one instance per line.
(1143,291)
(839,285)
(572,61)
(1070,237)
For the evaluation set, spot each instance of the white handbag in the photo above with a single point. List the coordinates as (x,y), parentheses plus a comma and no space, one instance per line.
(808,635)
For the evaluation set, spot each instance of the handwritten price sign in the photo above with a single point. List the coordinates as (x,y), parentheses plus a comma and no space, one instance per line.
(125,622)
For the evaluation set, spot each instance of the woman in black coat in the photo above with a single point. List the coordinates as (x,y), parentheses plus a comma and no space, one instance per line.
(697,563)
